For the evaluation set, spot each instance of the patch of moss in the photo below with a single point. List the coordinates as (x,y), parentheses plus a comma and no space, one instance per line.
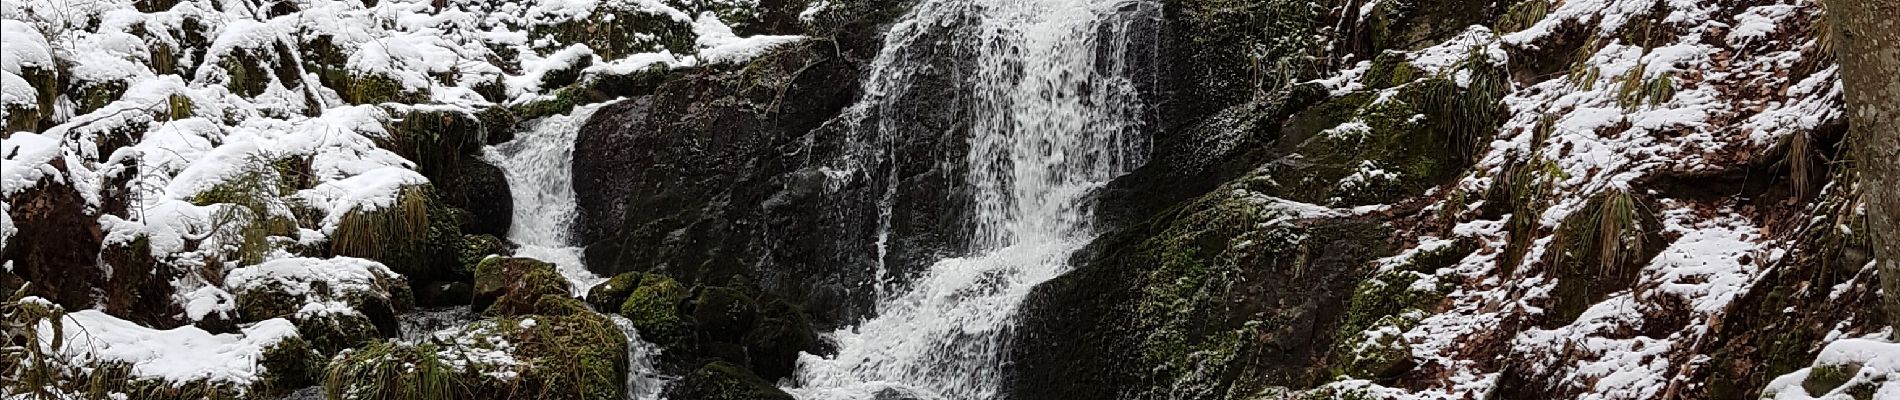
(1377,353)
(245,74)
(331,333)
(290,364)
(372,88)
(1391,292)
(179,107)
(1825,378)
(92,96)
(438,140)
(475,248)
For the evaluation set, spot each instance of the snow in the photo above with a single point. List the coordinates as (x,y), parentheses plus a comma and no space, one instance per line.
(373,190)
(717,43)
(1873,363)
(301,276)
(185,354)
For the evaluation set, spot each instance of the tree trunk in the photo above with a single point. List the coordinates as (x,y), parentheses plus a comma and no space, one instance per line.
(1867,43)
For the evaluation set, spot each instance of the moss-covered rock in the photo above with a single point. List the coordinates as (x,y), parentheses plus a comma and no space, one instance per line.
(1176,303)
(654,309)
(332,331)
(396,235)
(1825,378)
(608,295)
(721,380)
(1372,147)
(289,364)
(91,96)
(1379,352)
(336,304)
(511,285)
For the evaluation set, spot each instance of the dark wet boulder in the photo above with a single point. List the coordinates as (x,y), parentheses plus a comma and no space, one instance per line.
(140,288)
(724,381)
(733,171)
(685,181)
(723,314)
(444,293)
(774,343)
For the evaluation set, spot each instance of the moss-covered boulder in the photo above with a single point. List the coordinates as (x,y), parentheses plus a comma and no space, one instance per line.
(1407,288)
(512,285)
(654,309)
(608,295)
(720,380)
(336,303)
(1379,352)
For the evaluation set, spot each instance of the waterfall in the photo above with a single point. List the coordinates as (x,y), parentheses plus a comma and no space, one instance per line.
(1054,116)
(539,167)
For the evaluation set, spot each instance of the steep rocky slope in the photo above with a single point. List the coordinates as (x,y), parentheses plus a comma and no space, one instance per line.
(1578,199)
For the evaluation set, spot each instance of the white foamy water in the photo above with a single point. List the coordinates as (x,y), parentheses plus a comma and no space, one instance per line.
(1053,119)
(539,166)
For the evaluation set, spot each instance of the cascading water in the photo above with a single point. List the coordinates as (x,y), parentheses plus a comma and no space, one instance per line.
(1055,116)
(539,168)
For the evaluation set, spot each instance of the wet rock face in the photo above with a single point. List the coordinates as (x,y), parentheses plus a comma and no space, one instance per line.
(683,180)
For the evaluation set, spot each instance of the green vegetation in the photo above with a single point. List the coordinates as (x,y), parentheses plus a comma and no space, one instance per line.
(395,235)
(393,371)
(1598,250)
